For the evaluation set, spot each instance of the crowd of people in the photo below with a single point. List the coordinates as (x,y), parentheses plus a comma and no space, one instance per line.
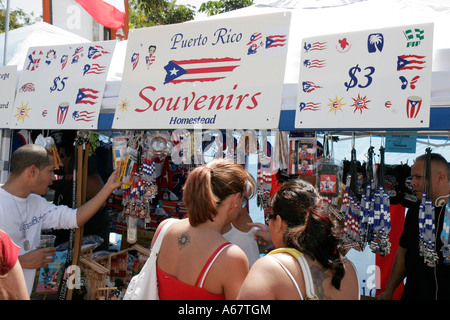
(213,253)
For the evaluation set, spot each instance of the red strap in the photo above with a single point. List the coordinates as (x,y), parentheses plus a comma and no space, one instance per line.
(211,258)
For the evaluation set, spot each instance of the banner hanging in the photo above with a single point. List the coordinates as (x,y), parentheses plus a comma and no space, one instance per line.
(61,87)
(218,74)
(367,79)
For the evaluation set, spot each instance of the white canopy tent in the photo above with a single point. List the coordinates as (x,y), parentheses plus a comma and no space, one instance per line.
(320,17)
(38,34)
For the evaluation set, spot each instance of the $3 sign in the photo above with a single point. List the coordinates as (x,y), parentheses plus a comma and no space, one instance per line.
(354,80)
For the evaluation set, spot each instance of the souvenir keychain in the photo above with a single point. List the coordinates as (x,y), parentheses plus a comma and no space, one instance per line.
(328,174)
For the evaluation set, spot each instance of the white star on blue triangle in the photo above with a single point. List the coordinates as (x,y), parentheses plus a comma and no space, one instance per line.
(173,71)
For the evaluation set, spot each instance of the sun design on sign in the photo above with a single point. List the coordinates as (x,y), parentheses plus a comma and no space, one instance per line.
(22,112)
(335,104)
(124,105)
(360,104)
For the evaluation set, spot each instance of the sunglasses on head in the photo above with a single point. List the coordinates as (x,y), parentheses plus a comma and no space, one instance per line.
(244,202)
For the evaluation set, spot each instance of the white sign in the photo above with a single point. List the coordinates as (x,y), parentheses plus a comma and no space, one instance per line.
(8,75)
(61,87)
(222,74)
(367,79)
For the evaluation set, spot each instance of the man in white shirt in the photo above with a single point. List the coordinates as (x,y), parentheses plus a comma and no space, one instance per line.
(24,213)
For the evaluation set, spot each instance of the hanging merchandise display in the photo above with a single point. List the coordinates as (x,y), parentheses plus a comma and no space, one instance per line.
(329,177)
(50,145)
(351,206)
(302,149)
(382,216)
(264,181)
(427,231)
(367,215)
(264,174)
(328,174)
(328,184)
(135,156)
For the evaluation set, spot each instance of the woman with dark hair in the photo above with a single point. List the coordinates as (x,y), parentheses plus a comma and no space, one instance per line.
(307,263)
(195,261)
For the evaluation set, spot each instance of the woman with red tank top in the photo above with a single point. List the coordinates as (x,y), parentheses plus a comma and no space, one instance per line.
(195,261)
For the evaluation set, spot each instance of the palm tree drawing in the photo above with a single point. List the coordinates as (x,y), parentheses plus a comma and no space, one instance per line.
(374,42)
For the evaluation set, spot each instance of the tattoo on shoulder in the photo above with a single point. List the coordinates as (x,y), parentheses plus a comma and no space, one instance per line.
(319,275)
(183,240)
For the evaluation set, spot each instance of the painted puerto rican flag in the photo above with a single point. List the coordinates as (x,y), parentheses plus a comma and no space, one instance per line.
(135,59)
(95,52)
(87,96)
(34,60)
(409,62)
(413,105)
(315,46)
(207,69)
(63,109)
(315,63)
(93,68)
(254,37)
(109,13)
(309,86)
(275,41)
(309,106)
(83,116)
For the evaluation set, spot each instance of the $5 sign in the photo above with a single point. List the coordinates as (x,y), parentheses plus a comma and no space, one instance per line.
(354,80)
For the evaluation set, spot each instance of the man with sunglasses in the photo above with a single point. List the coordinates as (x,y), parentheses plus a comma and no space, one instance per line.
(423,280)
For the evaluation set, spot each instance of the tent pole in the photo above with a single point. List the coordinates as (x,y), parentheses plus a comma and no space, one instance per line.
(82,157)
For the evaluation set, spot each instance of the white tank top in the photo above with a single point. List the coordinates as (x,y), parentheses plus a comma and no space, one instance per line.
(244,240)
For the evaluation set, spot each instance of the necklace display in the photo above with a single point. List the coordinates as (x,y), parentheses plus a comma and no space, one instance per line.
(368,221)
(427,221)
(26,243)
(427,232)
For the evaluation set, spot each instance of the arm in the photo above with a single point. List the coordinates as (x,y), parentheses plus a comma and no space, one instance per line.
(235,268)
(87,210)
(258,285)
(15,281)
(398,273)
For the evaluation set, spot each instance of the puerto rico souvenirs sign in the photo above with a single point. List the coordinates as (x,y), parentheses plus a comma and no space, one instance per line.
(366,79)
(61,87)
(224,74)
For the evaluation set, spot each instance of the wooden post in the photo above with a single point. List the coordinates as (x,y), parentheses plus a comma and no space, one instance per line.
(82,161)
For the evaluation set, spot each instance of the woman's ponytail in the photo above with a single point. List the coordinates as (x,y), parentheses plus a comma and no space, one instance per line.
(198,197)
